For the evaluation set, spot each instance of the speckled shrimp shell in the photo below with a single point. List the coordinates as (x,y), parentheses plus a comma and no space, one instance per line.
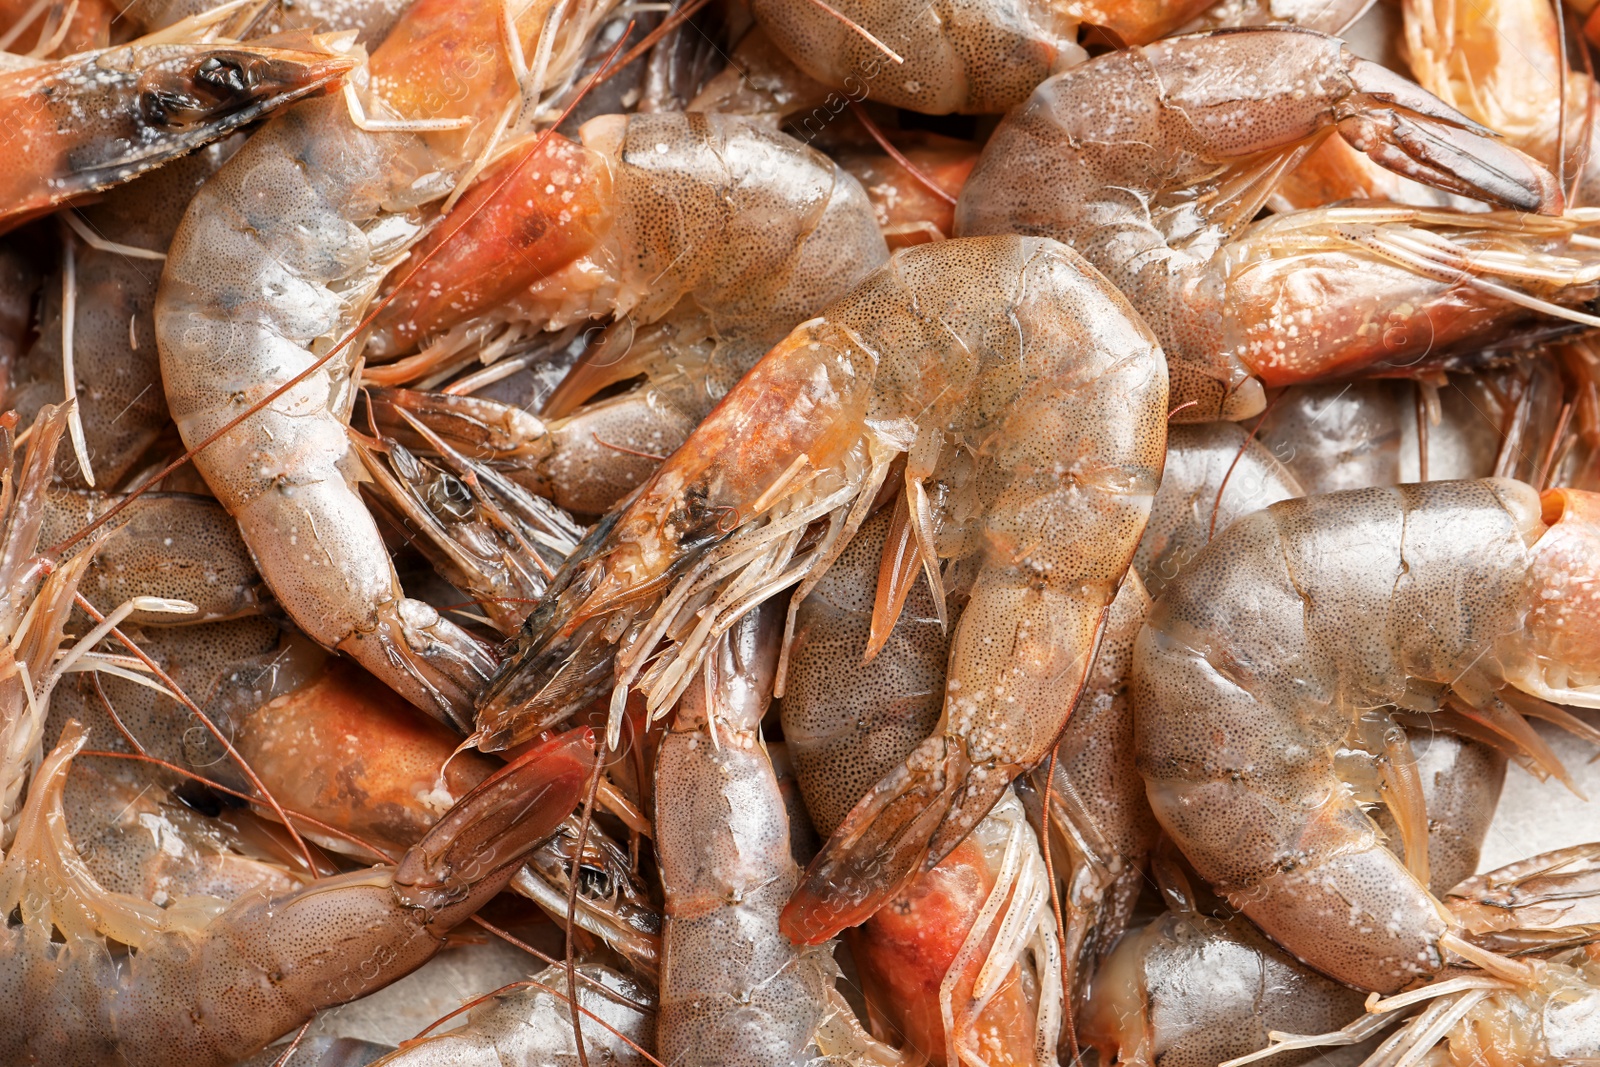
(273,264)
(985,56)
(706,237)
(1297,626)
(1151,161)
(1032,405)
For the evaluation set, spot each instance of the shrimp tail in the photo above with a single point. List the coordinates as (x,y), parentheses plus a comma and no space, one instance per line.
(1545,902)
(441,667)
(910,821)
(1408,130)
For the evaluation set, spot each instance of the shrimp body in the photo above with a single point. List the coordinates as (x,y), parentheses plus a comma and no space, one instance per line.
(1032,400)
(274,262)
(734,990)
(210,984)
(1190,991)
(706,236)
(1150,161)
(93,120)
(1272,644)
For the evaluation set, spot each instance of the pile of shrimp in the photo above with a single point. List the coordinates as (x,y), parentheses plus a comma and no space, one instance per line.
(770,533)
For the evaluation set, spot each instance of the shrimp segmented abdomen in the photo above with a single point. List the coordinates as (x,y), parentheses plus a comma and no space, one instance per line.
(1255,663)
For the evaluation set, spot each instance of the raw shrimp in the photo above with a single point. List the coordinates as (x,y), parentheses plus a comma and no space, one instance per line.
(1189,990)
(111,285)
(533,1025)
(1030,395)
(940,962)
(90,121)
(209,984)
(1292,631)
(734,991)
(273,263)
(1151,161)
(707,236)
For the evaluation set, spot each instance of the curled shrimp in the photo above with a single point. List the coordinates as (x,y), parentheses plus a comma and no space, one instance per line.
(273,264)
(1470,593)
(210,984)
(1151,161)
(1031,404)
(705,236)
(90,121)
(963,962)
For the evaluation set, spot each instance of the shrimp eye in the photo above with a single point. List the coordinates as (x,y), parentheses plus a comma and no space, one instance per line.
(448,496)
(165,108)
(227,75)
(593,882)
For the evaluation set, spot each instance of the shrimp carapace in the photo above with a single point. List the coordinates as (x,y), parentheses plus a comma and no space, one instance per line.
(1293,631)
(90,121)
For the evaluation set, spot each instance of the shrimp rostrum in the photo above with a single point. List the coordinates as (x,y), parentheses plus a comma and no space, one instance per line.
(90,121)
(1030,403)
(1309,626)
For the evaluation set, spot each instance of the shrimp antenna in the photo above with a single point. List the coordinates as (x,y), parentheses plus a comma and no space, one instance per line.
(377,309)
(651,39)
(897,155)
